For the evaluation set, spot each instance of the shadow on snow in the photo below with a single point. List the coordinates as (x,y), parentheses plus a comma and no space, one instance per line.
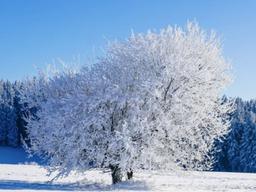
(24,185)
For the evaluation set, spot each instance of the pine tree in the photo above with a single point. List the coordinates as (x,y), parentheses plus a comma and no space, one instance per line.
(236,152)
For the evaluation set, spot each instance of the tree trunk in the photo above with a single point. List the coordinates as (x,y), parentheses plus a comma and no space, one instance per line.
(129,174)
(116,174)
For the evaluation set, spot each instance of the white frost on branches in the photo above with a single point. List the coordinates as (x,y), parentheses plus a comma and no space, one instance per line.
(152,102)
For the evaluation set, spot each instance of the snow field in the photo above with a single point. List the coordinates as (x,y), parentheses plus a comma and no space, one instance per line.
(33,178)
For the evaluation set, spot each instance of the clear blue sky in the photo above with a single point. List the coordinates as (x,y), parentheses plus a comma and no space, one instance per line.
(34,32)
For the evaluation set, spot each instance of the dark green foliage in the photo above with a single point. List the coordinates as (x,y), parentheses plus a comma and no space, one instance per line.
(237,153)
(12,111)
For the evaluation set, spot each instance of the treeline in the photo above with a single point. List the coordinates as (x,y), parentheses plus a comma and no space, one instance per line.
(237,152)
(12,113)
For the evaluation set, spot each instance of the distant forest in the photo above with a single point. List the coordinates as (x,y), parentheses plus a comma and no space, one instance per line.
(12,124)
(236,152)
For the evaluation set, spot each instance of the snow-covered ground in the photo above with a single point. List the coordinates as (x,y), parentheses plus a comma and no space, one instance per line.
(16,175)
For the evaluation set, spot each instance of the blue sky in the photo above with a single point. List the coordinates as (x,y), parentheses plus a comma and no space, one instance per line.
(35,32)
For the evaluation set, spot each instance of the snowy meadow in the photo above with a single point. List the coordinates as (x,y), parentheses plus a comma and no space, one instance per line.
(30,177)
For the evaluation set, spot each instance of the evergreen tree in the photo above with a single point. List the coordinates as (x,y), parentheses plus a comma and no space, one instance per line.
(8,129)
(238,149)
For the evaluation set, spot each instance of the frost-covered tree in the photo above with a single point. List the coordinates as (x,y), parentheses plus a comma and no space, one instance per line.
(152,102)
